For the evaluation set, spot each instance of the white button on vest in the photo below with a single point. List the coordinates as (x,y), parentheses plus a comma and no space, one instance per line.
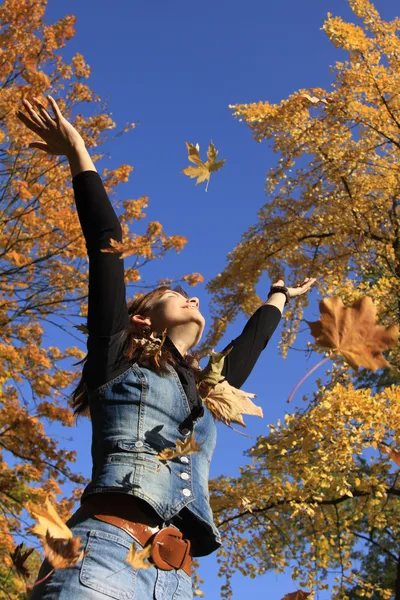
(184,475)
(186,492)
(184,459)
(139,444)
(185,431)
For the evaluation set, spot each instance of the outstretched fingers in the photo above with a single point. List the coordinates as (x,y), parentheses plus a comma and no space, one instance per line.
(48,120)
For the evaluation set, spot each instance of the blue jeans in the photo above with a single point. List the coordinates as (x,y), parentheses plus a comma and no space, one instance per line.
(104,572)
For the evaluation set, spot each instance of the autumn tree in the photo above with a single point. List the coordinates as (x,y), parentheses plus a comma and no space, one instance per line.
(44,266)
(320,489)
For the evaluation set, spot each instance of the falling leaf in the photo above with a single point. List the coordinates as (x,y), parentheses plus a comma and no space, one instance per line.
(315,99)
(245,504)
(353,332)
(182,448)
(49,521)
(137,558)
(202,170)
(82,328)
(62,553)
(18,557)
(394,454)
(299,595)
(212,372)
(60,547)
(228,403)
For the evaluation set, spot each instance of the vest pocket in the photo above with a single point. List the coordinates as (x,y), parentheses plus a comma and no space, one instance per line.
(104,567)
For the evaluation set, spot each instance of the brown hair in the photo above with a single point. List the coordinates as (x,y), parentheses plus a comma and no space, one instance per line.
(135,352)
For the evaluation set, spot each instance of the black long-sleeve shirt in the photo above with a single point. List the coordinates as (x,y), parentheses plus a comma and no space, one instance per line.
(108,313)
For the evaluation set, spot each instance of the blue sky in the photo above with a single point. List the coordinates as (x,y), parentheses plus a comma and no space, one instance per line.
(175,67)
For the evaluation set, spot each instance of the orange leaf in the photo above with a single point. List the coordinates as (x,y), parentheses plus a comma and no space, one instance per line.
(62,553)
(353,332)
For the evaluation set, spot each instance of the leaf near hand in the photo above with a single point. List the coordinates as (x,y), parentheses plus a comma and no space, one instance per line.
(354,333)
(202,170)
(183,448)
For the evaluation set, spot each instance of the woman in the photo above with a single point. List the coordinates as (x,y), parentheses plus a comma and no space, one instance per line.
(142,396)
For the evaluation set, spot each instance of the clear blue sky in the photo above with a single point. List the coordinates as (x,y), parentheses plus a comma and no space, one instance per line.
(175,67)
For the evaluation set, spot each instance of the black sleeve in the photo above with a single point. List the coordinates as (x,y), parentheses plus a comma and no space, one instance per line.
(107,309)
(247,347)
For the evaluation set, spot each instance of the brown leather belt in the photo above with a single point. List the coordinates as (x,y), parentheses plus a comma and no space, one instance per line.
(168,548)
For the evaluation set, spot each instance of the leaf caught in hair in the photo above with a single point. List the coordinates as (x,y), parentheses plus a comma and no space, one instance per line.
(354,333)
(202,170)
(137,558)
(19,557)
(60,547)
(182,448)
(299,595)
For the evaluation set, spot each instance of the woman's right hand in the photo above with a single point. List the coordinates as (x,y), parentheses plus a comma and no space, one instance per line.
(58,135)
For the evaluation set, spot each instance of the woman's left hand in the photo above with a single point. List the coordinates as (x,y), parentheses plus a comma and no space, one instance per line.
(301,288)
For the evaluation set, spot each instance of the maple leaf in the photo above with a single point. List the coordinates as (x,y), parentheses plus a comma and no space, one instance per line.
(299,595)
(182,448)
(19,557)
(228,403)
(353,332)
(137,558)
(212,372)
(60,547)
(202,170)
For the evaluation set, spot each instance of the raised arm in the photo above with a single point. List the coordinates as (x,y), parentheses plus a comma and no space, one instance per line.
(247,347)
(107,310)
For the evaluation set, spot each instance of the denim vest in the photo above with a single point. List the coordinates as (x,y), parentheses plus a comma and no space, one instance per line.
(134,417)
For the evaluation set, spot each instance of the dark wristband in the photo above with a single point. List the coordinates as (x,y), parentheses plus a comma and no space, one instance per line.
(279,289)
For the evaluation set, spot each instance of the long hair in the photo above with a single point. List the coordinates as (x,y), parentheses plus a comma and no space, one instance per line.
(136,349)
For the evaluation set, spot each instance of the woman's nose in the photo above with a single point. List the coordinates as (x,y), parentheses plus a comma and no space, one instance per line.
(195,301)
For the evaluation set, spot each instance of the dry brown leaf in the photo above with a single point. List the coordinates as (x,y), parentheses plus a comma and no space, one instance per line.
(182,448)
(353,332)
(299,595)
(228,403)
(62,553)
(48,521)
(18,557)
(137,558)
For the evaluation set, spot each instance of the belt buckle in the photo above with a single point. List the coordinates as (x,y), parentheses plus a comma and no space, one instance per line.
(159,539)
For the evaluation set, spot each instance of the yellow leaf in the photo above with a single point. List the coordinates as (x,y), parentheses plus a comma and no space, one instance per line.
(183,448)
(49,521)
(202,170)
(137,558)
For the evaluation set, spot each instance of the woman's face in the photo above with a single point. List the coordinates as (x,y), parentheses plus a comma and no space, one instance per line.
(173,310)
